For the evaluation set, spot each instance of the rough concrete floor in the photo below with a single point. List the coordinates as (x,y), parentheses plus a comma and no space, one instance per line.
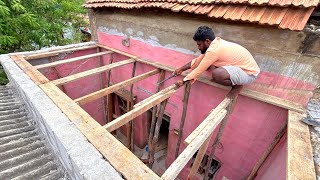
(23,151)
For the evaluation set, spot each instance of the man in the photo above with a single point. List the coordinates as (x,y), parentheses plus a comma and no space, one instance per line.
(232,64)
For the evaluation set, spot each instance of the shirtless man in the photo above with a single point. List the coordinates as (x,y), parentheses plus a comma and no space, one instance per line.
(232,64)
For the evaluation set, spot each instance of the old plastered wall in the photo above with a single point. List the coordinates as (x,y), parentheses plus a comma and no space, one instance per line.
(289,62)
(288,59)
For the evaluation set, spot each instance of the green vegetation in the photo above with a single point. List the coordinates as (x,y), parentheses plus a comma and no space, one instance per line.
(27,25)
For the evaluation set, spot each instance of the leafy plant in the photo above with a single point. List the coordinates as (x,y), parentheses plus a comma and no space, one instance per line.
(33,24)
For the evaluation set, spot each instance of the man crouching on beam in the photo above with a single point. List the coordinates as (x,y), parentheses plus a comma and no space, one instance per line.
(231,64)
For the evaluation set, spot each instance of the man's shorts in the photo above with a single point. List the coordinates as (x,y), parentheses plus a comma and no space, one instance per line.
(238,76)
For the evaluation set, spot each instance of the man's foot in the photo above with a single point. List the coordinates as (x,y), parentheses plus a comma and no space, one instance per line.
(235,91)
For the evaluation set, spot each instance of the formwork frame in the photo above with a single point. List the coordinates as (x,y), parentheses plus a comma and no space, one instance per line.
(299,153)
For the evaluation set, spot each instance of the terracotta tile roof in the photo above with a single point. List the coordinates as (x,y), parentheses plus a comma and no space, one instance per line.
(286,14)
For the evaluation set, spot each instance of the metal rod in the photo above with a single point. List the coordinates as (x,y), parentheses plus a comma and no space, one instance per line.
(183,117)
(166,79)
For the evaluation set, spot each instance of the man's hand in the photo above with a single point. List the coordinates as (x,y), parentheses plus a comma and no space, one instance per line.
(179,84)
(177,72)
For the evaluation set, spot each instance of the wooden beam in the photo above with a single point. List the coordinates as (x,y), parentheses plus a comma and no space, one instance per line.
(34,74)
(300,164)
(141,103)
(202,151)
(65,61)
(234,93)
(245,92)
(176,167)
(183,117)
(267,152)
(57,52)
(154,116)
(205,122)
(138,110)
(112,150)
(156,132)
(111,89)
(90,72)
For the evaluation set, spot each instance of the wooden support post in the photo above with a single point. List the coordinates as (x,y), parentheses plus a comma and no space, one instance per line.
(57,52)
(300,164)
(234,92)
(141,108)
(204,123)
(113,88)
(196,164)
(90,72)
(102,77)
(267,152)
(175,168)
(130,106)
(109,97)
(65,61)
(156,132)
(183,117)
(154,115)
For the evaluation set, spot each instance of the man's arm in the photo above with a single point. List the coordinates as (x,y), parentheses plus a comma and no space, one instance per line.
(183,68)
(207,61)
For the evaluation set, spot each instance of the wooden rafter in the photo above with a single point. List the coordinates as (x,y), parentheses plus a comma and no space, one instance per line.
(113,150)
(91,72)
(205,122)
(113,88)
(245,92)
(65,61)
(174,169)
(140,108)
(56,52)
(35,75)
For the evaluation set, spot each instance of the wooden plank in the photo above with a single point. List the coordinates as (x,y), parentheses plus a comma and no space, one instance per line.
(176,167)
(25,66)
(111,89)
(202,151)
(183,117)
(205,122)
(57,52)
(154,96)
(153,117)
(65,61)
(300,164)
(90,72)
(138,110)
(156,132)
(267,152)
(245,92)
(113,150)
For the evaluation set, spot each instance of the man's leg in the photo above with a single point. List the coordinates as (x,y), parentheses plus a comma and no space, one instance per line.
(221,76)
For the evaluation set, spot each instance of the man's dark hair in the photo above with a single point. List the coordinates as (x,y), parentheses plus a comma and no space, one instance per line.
(203,33)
